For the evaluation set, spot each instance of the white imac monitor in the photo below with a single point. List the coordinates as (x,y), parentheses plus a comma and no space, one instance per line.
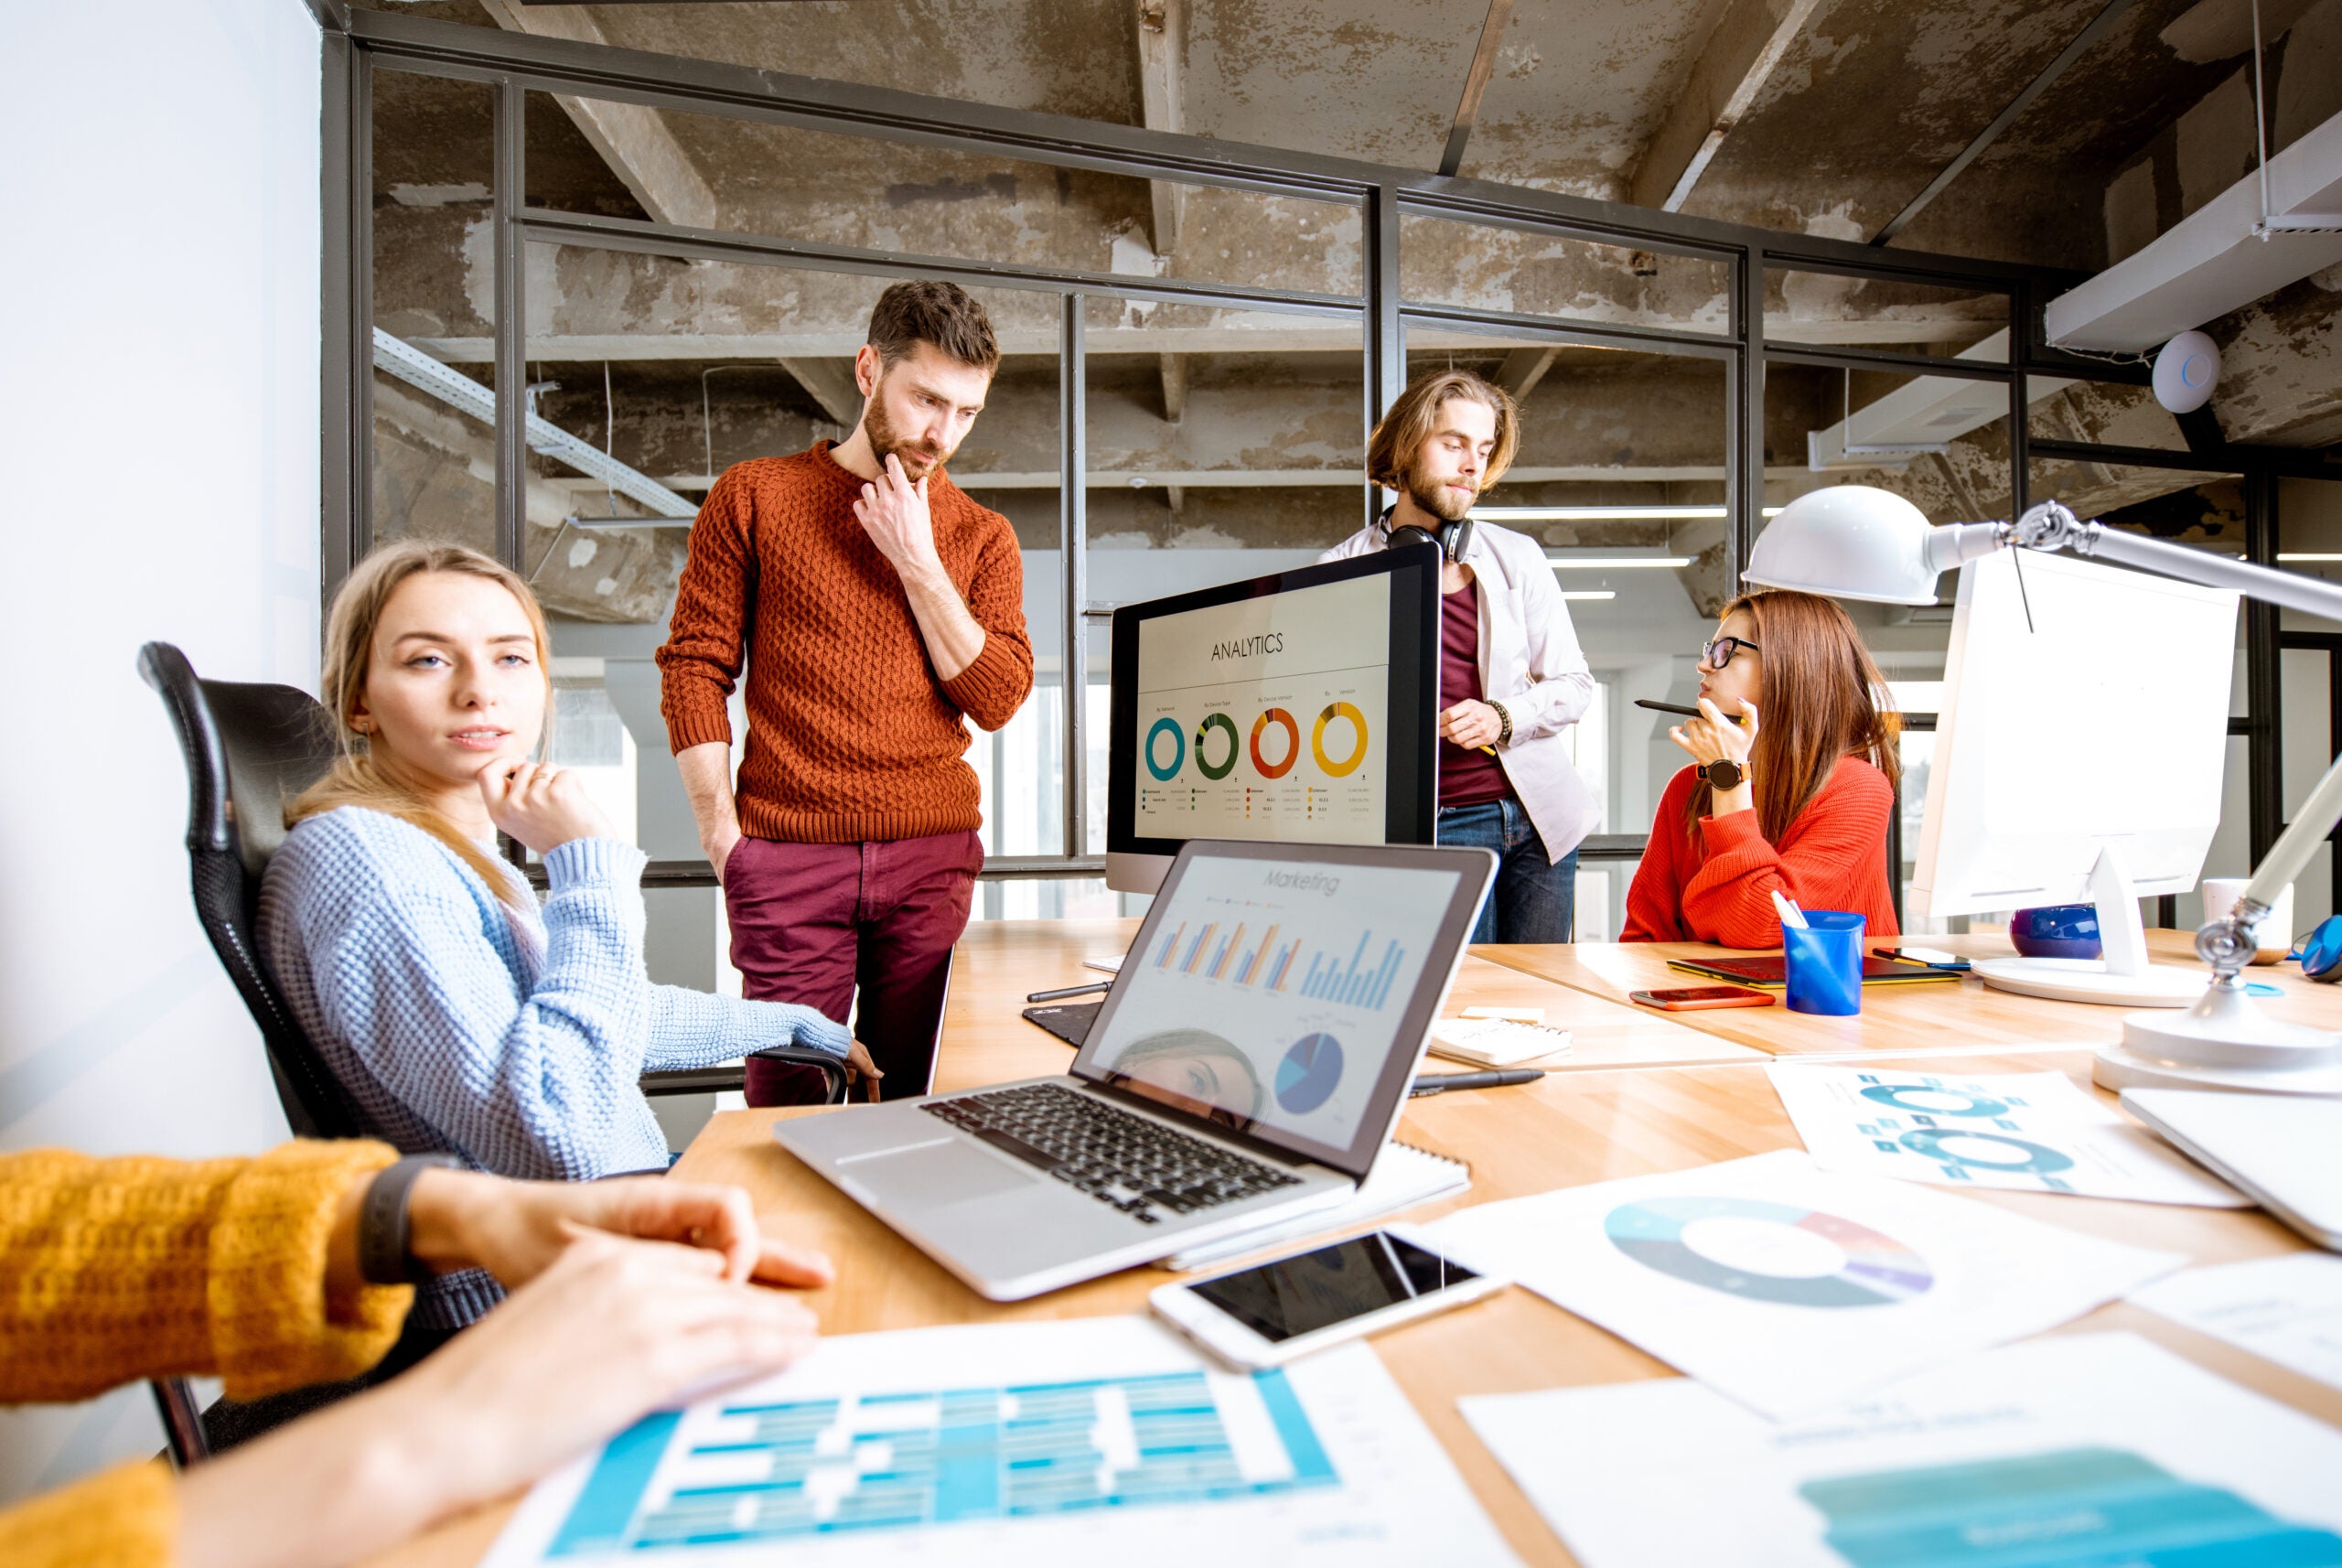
(1296,707)
(2078,758)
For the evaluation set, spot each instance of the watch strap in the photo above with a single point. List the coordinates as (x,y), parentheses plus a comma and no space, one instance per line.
(382,1227)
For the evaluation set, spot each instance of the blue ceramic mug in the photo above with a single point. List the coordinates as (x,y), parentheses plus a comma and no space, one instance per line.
(2059,930)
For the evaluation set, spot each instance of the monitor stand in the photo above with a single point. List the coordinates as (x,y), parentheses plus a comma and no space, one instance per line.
(2123,978)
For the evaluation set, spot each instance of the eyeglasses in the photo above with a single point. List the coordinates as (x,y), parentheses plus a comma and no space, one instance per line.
(1719,652)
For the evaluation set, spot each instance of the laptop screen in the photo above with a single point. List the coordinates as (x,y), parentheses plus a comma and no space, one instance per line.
(1270,991)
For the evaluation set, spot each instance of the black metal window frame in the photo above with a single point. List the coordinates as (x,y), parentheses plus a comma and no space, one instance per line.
(513,65)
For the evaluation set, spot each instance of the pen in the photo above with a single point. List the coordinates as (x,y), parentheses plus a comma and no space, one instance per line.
(1065,991)
(1441,1082)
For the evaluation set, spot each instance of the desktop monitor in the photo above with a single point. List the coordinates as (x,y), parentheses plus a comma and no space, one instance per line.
(1297,707)
(2079,756)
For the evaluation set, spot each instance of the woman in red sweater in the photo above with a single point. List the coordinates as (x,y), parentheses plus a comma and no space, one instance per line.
(1797,803)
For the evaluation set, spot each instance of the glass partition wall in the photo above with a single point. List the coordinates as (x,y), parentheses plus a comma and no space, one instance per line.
(548,330)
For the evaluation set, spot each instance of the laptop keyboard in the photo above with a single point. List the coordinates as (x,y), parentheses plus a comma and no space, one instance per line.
(1126,1162)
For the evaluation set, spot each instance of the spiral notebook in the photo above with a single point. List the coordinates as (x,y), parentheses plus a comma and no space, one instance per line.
(1403,1175)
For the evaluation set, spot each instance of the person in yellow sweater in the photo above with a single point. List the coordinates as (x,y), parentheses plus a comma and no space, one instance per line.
(624,1294)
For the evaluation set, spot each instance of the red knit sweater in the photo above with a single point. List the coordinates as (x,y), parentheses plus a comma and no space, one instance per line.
(1834,856)
(852,735)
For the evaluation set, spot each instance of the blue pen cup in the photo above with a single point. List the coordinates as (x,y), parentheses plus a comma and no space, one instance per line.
(1824,962)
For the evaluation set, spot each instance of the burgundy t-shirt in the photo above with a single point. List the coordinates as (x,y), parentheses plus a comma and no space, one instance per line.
(1468,775)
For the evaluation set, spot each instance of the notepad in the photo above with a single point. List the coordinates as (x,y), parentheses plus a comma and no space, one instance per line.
(1403,1175)
(1496,1042)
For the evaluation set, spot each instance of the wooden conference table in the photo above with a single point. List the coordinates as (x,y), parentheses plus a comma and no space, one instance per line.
(1643,1093)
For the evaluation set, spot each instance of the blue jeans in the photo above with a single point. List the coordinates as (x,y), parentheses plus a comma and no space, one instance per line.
(1533,900)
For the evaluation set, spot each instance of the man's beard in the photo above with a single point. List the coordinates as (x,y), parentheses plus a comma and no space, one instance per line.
(1439,500)
(918,458)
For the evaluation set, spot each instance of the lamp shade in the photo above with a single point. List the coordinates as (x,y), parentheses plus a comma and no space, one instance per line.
(1848,541)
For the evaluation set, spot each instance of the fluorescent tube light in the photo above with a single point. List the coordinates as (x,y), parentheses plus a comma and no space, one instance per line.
(2306,556)
(1612,563)
(1589,593)
(1595,513)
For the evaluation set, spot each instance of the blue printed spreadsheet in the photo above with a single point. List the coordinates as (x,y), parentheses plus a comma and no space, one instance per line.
(1106,1439)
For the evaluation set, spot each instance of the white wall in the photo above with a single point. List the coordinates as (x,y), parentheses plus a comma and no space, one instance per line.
(159,427)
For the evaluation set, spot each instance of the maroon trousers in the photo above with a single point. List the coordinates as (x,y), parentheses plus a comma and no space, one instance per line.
(812,923)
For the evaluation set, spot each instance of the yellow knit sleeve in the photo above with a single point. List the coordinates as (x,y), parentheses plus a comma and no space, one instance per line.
(111,1270)
(127,1516)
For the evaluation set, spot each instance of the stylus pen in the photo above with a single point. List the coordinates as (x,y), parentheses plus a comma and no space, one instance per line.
(1441,1082)
(1676,708)
(1063,991)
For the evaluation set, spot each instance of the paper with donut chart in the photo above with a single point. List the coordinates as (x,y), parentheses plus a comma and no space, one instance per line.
(1790,1288)
(1099,1439)
(2074,1450)
(2025,1131)
(1261,719)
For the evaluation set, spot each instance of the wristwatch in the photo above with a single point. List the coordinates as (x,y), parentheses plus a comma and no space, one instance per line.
(1504,723)
(1723,773)
(383,1258)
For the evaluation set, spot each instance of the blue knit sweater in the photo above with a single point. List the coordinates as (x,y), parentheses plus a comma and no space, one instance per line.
(510,1039)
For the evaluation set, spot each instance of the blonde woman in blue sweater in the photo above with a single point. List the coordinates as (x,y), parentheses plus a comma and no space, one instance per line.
(458,1014)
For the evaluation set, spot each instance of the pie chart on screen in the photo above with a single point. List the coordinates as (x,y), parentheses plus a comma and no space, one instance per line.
(1309,1072)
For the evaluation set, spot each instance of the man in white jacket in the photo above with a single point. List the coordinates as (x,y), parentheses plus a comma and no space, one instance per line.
(1512,675)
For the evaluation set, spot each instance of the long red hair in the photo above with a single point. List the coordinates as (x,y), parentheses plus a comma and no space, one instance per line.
(1821,705)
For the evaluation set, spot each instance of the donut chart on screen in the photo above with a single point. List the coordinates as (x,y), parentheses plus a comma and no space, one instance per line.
(2034,1159)
(1894,1094)
(1261,764)
(1876,1270)
(1204,764)
(1162,727)
(1349,765)
(1309,1073)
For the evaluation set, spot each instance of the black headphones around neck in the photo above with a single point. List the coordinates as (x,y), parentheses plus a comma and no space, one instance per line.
(1453,540)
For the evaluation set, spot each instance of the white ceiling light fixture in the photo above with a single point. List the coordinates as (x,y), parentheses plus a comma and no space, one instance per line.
(1589,593)
(2307,556)
(1614,562)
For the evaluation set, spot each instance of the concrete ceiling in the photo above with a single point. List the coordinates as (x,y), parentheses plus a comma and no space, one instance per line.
(1817,116)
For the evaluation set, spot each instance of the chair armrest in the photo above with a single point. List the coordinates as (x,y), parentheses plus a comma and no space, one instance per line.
(832,1068)
(724,1079)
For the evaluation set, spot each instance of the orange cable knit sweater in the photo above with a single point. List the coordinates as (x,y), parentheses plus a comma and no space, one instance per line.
(111,1270)
(851,735)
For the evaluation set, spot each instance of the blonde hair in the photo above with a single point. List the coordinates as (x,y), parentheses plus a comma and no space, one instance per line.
(1399,433)
(361,778)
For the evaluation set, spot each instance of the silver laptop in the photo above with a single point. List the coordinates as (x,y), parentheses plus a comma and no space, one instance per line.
(1247,1065)
(2276,1149)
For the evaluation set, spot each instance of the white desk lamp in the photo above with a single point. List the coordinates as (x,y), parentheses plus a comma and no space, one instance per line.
(1851,542)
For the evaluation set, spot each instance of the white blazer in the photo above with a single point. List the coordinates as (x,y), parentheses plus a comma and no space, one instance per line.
(1530,661)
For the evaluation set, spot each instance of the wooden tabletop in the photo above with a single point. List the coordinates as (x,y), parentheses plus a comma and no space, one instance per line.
(1568,1129)
(1964,1016)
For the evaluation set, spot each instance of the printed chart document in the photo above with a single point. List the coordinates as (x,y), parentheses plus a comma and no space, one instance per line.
(1790,1288)
(2026,1131)
(1096,1440)
(2078,1451)
(2287,1310)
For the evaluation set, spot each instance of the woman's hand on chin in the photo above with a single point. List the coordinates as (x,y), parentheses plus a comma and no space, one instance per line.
(541,805)
(1712,737)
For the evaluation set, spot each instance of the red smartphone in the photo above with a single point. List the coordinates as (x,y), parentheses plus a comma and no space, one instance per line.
(1692,998)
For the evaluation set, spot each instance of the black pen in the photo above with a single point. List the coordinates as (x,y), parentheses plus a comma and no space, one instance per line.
(1064,992)
(1441,1082)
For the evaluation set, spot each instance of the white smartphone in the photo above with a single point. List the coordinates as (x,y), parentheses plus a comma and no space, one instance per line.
(1277,1311)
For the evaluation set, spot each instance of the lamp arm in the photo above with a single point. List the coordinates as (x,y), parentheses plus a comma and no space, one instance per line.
(2050,526)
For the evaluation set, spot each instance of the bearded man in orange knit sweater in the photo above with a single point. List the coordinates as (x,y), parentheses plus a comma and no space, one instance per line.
(876,606)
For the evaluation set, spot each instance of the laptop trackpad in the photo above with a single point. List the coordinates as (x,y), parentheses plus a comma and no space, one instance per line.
(950,1172)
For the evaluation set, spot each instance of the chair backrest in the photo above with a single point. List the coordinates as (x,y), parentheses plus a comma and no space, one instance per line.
(249,749)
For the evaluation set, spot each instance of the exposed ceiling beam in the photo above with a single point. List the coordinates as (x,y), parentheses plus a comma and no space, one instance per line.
(634,140)
(426,374)
(2073,51)
(1523,368)
(829,382)
(1475,84)
(1745,48)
